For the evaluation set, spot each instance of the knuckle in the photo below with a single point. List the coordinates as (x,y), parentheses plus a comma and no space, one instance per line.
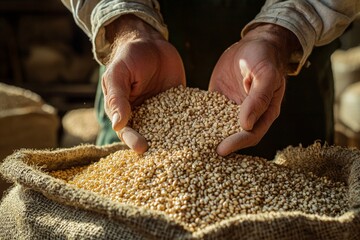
(275,112)
(263,99)
(111,101)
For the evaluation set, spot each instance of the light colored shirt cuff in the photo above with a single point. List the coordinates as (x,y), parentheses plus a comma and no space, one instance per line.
(314,23)
(107,11)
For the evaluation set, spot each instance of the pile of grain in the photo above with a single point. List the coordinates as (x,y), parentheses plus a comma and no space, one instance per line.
(182,175)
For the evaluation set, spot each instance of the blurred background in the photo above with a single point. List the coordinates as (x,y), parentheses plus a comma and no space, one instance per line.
(44,52)
(48,79)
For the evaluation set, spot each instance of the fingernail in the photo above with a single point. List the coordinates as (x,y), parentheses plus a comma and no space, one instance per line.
(115,119)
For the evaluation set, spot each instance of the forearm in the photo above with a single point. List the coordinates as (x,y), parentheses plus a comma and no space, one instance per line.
(313,22)
(93,16)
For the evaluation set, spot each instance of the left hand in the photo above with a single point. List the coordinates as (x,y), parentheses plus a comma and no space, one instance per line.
(142,64)
(252,72)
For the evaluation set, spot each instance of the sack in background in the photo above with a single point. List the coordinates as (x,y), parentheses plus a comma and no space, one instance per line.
(80,126)
(25,122)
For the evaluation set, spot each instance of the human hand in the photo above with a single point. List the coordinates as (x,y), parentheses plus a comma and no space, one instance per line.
(142,64)
(252,73)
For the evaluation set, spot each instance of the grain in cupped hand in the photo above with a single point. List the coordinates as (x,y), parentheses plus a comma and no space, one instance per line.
(182,175)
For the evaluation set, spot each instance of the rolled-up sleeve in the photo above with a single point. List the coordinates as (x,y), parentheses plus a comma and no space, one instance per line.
(92,16)
(314,22)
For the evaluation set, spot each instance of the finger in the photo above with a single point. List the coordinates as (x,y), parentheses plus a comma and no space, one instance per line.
(245,138)
(256,103)
(116,88)
(234,142)
(241,140)
(133,140)
(251,110)
(119,112)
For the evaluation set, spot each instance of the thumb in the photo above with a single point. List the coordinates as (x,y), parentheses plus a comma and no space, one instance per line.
(119,111)
(117,106)
(116,98)
(256,103)
(120,115)
(133,139)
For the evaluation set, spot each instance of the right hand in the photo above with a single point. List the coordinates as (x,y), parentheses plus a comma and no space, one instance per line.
(141,65)
(252,72)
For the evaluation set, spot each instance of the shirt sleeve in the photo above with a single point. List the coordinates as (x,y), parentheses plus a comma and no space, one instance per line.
(314,22)
(92,16)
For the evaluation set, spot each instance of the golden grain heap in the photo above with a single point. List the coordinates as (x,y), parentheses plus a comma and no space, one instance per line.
(182,175)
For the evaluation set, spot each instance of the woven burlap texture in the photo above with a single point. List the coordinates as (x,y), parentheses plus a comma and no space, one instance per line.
(42,207)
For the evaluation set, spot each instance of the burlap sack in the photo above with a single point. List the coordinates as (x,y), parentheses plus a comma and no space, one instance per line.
(42,207)
(80,126)
(26,121)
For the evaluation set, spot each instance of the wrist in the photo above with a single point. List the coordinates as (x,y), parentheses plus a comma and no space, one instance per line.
(130,27)
(126,29)
(283,40)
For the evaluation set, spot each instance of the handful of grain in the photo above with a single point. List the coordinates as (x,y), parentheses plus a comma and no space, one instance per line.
(182,175)
(186,119)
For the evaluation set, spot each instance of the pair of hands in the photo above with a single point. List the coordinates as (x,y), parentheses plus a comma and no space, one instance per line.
(251,72)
